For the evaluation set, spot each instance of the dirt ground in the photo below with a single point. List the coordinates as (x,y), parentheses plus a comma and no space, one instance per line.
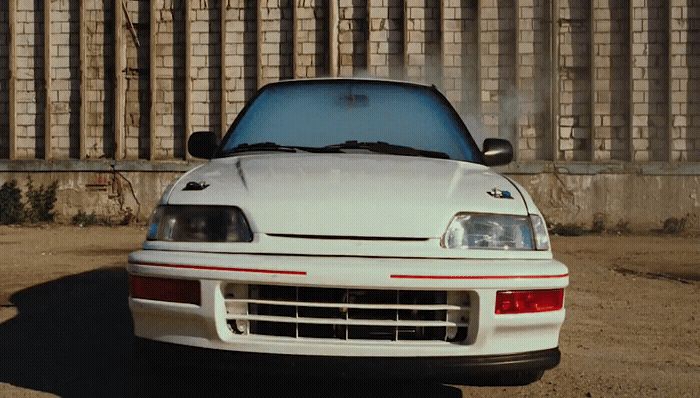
(632,326)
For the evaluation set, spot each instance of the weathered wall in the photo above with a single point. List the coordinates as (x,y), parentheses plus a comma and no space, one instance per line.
(595,80)
(642,197)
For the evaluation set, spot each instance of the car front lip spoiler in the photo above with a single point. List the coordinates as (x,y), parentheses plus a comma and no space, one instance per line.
(451,369)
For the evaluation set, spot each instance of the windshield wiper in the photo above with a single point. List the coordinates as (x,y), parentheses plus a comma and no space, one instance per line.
(390,149)
(274,147)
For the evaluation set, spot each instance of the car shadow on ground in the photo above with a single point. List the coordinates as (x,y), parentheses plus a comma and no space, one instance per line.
(73,337)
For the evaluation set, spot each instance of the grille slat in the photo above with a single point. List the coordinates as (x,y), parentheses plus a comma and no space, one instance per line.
(420,307)
(358,322)
(347,314)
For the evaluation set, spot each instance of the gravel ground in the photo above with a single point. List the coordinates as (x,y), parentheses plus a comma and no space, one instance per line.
(632,322)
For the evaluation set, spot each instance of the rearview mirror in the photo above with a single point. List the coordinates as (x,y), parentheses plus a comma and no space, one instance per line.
(202,144)
(497,152)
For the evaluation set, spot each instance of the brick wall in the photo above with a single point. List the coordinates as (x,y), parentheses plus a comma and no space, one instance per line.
(385,38)
(65,76)
(100,77)
(137,84)
(241,56)
(170,75)
(312,59)
(574,81)
(627,84)
(206,65)
(30,71)
(352,38)
(610,79)
(691,150)
(460,60)
(650,80)
(533,79)
(499,98)
(276,47)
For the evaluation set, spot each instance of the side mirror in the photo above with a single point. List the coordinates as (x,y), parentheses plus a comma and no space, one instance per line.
(497,152)
(202,144)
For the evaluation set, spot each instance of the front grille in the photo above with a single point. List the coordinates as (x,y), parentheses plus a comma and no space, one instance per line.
(347,314)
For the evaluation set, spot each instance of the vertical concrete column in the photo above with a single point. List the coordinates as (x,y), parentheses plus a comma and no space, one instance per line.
(12,84)
(593,73)
(152,76)
(515,102)
(259,41)
(83,80)
(47,80)
(119,89)
(333,20)
(649,80)
(296,69)
(223,123)
(554,79)
(188,77)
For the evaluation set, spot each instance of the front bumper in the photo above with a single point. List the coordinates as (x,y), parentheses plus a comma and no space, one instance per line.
(205,326)
(451,369)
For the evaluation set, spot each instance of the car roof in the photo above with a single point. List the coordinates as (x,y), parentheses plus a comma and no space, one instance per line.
(348,79)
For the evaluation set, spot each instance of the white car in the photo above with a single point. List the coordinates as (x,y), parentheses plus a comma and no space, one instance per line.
(350,227)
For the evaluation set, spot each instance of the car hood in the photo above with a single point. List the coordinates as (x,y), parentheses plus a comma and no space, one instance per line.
(348,195)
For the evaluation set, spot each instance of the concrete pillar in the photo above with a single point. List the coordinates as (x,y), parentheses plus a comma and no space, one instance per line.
(153,77)
(119,88)
(333,20)
(188,77)
(12,84)
(223,122)
(83,80)
(47,80)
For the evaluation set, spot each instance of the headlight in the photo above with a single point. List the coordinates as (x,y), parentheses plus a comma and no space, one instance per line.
(541,234)
(489,231)
(199,224)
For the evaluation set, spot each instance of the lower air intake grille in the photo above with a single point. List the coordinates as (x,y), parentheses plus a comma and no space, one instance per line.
(347,314)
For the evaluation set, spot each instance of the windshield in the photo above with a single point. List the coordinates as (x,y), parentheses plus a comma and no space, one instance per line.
(323,113)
